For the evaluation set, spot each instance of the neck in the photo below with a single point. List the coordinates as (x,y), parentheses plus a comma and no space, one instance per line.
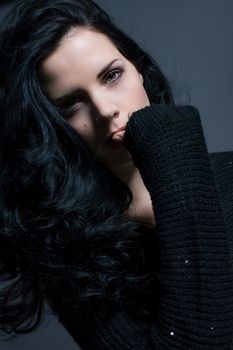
(130,175)
(141,206)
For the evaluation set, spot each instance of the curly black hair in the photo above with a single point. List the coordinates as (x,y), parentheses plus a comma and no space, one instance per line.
(64,242)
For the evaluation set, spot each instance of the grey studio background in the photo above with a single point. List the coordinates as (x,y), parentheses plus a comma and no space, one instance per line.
(192,43)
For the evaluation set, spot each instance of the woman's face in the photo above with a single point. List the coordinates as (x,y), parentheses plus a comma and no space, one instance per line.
(102,102)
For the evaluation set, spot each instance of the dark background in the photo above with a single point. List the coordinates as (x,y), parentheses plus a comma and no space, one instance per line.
(192,43)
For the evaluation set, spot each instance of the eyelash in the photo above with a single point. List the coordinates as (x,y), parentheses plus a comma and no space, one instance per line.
(66,111)
(114,71)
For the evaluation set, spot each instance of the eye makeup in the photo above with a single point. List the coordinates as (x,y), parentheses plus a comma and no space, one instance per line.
(69,106)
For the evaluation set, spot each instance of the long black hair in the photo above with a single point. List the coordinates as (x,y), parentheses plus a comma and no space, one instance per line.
(64,241)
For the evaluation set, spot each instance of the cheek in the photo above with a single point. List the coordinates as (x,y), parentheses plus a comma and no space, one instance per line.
(145,96)
(83,128)
(136,92)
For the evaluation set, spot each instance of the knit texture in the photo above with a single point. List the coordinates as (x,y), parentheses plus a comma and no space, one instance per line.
(192,197)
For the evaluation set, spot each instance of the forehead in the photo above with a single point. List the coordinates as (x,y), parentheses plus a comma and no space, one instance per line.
(80,47)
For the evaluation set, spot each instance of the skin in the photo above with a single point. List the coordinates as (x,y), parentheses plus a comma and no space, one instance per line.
(102,104)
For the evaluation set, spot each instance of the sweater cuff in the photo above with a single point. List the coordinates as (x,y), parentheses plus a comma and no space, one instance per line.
(153,117)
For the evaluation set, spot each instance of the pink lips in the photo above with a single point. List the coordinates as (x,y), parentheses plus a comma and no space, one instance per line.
(109,136)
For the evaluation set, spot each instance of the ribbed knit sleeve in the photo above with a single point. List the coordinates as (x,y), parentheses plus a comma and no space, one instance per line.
(195,273)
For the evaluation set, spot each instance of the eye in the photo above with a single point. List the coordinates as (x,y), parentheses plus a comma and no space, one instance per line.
(115,72)
(74,104)
(68,110)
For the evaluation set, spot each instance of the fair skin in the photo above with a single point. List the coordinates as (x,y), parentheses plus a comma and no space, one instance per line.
(102,104)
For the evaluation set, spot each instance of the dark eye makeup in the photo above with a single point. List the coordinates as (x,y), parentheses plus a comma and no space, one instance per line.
(70,106)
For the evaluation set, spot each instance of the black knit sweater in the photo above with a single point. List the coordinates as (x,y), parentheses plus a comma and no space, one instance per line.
(192,196)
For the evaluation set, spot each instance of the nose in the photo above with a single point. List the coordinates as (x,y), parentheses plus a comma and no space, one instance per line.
(106,109)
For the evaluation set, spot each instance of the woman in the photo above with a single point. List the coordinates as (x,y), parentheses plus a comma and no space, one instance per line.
(125,234)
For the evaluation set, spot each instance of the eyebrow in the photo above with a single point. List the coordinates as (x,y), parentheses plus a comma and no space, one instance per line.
(61,100)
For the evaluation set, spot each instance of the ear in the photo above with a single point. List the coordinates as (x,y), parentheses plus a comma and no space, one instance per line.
(141,77)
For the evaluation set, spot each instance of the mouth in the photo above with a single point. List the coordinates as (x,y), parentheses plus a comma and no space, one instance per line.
(108,139)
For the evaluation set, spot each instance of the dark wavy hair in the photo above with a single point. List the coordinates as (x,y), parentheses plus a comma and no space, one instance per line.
(64,241)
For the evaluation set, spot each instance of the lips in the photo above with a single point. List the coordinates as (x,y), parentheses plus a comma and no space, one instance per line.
(110,135)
